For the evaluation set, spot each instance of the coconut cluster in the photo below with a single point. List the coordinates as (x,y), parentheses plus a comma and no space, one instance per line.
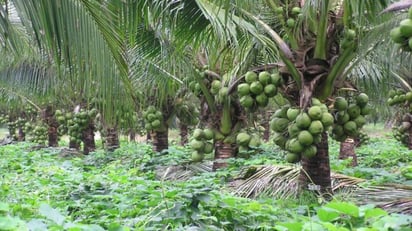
(201,143)
(402,34)
(401,132)
(399,97)
(298,131)
(247,143)
(153,118)
(75,123)
(39,134)
(12,125)
(363,138)
(289,15)
(258,89)
(349,116)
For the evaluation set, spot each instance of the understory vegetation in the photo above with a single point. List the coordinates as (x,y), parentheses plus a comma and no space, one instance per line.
(134,188)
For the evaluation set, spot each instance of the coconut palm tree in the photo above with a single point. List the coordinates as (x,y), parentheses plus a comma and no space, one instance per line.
(318,44)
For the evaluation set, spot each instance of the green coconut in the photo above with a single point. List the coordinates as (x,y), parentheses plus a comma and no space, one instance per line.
(270,90)
(310,151)
(243,89)
(243,138)
(256,88)
(279,124)
(316,127)
(396,35)
(350,128)
(315,112)
(303,120)
(198,134)
(406,28)
(197,145)
(246,101)
(362,99)
(327,119)
(208,147)
(262,100)
(279,139)
(276,79)
(292,157)
(305,138)
(342,117)
(197,157)
(295,146)
(293,130)
(250,77)
(264,78)
(208,134)
(340,104)
(292,113)
(354,111)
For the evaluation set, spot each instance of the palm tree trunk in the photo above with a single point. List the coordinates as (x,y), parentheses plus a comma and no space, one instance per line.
(89,144)
(266,125)
(111,139)
(347,150)
(132,135)
(410,138)
(21,135)
(316,170)
(184,130)
(74,145)
(160,140)
(223,151)
(49,118)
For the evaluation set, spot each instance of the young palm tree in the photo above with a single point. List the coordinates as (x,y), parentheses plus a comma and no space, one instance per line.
(318,44)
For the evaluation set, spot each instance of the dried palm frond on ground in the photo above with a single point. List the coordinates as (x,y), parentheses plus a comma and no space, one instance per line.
(271,180)
(393,198)
(182,172)
(282,182)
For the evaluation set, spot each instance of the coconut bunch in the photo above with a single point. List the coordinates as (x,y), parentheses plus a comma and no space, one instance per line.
(402,34)
(153,118)
(4,119)
(363,138)
(247,143)
(39,134)
(201,143)
(73,124)
(258,89)
(298,131)
(349,116)
(288,15)
(399,97)
(401,132)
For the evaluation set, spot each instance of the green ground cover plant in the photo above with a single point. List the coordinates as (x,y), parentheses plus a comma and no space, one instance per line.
(45,190)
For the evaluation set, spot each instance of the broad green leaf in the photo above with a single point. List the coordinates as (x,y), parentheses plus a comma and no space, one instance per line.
(289,226)
(4,207)
(11,223)
(117,227)
(327,215)
(375,212)
(36,225)
(51,213)
(255,206)
(309,226)
(393,222)
(332,227)
(344,207)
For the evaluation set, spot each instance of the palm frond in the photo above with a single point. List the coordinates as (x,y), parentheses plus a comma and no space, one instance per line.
(182,172)
(400,5)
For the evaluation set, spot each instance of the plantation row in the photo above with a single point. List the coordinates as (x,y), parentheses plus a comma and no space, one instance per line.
(133,188)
